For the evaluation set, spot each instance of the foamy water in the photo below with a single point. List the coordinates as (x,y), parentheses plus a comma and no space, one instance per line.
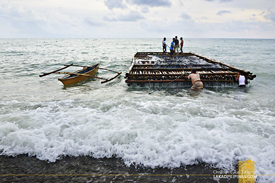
(168,128)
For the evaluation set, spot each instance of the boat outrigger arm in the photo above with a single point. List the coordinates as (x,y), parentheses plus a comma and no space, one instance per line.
(48,73)
(80,74)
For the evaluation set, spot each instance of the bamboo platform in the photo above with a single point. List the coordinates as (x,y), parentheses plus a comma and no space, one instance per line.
(158,69)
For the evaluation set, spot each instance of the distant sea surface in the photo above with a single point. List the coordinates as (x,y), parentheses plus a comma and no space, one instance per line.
(169,128)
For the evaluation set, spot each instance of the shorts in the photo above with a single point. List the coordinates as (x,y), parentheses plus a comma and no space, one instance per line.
(172,52)
(197,86)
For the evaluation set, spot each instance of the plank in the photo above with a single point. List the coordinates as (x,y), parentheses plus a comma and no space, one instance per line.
(45,74)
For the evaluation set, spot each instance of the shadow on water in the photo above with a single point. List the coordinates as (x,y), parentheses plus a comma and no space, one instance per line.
(229,90)
(178,92)
(235,91)
(193,93)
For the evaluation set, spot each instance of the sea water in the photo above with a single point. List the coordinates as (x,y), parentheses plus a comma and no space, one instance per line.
(149,127)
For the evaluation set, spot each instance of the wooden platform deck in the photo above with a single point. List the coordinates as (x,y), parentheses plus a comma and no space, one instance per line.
(157,68)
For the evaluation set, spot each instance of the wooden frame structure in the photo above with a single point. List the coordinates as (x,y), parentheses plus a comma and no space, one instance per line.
(158,67)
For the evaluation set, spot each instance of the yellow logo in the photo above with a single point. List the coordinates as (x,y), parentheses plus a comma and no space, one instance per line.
(247,171)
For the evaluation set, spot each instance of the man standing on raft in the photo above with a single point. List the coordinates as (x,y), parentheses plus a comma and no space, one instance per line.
(172,48)
(196,80)
(164,45)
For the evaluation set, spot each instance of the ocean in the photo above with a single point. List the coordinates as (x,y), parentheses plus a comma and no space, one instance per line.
(169,128)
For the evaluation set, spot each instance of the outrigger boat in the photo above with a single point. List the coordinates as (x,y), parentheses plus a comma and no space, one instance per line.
(158,69)
(87,72)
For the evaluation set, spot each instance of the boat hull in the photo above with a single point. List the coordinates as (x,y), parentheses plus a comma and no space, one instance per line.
(71,79)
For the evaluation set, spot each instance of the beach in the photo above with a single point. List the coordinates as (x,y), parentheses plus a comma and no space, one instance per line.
(86,169)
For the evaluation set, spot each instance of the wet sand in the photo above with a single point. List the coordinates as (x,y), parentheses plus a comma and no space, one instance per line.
(86,169)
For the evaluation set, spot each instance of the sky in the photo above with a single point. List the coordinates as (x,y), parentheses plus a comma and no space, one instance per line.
(137,18)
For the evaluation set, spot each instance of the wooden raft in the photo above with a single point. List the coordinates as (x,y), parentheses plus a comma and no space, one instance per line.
(158,67)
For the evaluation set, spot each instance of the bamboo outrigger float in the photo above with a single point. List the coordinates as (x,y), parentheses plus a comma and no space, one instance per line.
(86,72)
(158,69)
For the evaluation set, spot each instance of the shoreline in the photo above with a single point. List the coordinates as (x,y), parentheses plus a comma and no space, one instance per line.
(23,168)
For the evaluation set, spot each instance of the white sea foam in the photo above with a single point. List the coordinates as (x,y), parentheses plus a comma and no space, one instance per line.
(151,133)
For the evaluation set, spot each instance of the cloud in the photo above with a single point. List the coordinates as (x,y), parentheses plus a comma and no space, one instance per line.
(153,3)
(221,13)
(270,16)
(145,10)
(132,16)
(155,27)
(111,4)
(222,1)
(89,21)
(137,18)
(34,23)
(185,16)
(241,27)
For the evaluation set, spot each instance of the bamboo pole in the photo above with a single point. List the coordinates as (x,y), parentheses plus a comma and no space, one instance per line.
(87,75)
(89,66)
(45,74)
(107,80)
(79,74)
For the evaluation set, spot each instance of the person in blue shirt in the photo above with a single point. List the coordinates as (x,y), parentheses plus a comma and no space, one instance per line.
(172,48)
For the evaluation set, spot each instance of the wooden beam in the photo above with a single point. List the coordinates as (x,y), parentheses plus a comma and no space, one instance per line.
(111,78)
(79,74)
(45,74)
(175,80)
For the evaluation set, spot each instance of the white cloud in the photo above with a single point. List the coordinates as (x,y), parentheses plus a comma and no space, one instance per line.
(154,3)
(111,4)
(270,16)
(145,10)
(223,1)
(137,18)
(185,16)
(91,22)
(221,13)
(132,16)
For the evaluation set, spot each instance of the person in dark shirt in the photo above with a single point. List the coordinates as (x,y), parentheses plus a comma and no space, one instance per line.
(181,44)
(176,45)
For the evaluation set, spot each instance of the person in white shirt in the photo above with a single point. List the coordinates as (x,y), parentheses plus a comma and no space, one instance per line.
(164,45)
(241,79)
